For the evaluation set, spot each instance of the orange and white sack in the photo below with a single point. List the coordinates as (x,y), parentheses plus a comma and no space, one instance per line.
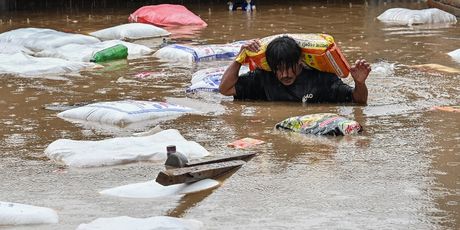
(319,51)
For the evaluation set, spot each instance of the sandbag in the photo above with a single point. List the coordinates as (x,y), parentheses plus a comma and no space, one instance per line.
(208,80)
(122,113)
(320,124)
(130,31)
(122,150)
(25,65)
(455,55)
(19,214)
(151,223)
(189,53)
(42,39)
(319,51)
(166,15)
(410,17)
(84,53)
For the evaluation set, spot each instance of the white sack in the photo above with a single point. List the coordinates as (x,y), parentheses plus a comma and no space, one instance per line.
(10,48)
(122,150)
(17,214)
(152,223)
(208,80)
(151,189)
(84,53)
(410,17)
(455,55)
(122,113)
(25,65)
(42,39)
(188,53)
(130,31)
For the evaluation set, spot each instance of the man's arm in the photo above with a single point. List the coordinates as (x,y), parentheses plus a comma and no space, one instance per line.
(359,72)
(230,77)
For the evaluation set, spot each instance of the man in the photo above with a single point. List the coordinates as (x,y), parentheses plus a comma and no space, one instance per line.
(291,80)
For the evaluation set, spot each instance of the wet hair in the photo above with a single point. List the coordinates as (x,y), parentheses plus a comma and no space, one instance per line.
(283,52)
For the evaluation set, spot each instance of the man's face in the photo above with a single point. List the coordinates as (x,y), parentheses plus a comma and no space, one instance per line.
(287,76)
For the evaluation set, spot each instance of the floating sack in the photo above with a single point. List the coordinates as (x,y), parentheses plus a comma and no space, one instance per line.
(151,223)
(188,53)
(208,80)
(10,48)
(111,53)
(122,150)
(410,17)
(122,113)
(25,65)
(152,189)
(18,214)
(455,55)
(84,53)
(166,15)
(42,39)
(320,124)
(319,51)
(130,31)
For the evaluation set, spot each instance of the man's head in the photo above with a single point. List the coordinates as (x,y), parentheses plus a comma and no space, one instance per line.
(283,56)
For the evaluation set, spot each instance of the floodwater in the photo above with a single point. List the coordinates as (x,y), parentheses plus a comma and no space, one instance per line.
(402,172)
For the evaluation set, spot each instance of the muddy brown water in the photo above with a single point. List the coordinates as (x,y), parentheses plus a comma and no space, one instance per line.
(402,172)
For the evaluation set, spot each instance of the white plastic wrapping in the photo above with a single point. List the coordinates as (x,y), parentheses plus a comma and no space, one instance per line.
(411,17)
(130,31)
(20,214)
(189,53)
(152,223)
(122,150)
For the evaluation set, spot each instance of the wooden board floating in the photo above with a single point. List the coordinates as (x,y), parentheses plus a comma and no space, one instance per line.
(244,156)
(199,172)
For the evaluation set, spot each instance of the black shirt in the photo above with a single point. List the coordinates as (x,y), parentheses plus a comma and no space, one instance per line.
(311,86)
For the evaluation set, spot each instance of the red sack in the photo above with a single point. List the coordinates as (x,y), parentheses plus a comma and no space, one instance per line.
(166,15)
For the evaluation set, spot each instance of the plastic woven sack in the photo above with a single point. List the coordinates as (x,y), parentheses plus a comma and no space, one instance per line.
(130,31)
(320,124)
(208,80)
(410,17)
(21,214)
(319,51)
(166,15)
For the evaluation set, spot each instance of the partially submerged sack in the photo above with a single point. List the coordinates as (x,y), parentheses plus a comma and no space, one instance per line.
(189,53)
(320,124)
(455,55)
(208,80)
(122,113)
(156,222)
(166,15)
(22,214)
(10,48)
(130,31)
(319,51)
(410,17)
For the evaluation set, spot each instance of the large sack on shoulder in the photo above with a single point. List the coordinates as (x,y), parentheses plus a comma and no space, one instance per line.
(84,53)
(320,124)
(409,17)
(19,214)
(455,55)
(151,223)
(122,113)
(25,65)
(166,15)
(42,39)
(189,53)
(319,51)
(122,150)
(130,31)
(208,80)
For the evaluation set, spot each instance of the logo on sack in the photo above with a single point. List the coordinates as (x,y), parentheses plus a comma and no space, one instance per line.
(306,97)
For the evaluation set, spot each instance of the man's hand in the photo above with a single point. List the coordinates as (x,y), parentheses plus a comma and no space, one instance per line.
(360,71)
(252,45)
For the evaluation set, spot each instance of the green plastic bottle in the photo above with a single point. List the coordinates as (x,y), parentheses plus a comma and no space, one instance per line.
(111,53)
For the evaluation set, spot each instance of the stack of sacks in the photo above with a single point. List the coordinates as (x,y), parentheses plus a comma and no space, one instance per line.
(130,31)
(189,53)
(208,80)
(122,150)
(18,214)
(411,17)
(157,222)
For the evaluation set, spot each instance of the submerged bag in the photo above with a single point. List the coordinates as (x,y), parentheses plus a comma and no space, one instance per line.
(319,51)
(320,124)
(208,80)
(166,15)
(411,17)
(189,53)
(130,31)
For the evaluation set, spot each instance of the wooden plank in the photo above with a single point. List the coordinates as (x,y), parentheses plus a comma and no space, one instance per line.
(196,173)
(243,156)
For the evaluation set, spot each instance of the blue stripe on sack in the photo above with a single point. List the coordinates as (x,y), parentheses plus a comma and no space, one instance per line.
(212,90)
(142,111)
